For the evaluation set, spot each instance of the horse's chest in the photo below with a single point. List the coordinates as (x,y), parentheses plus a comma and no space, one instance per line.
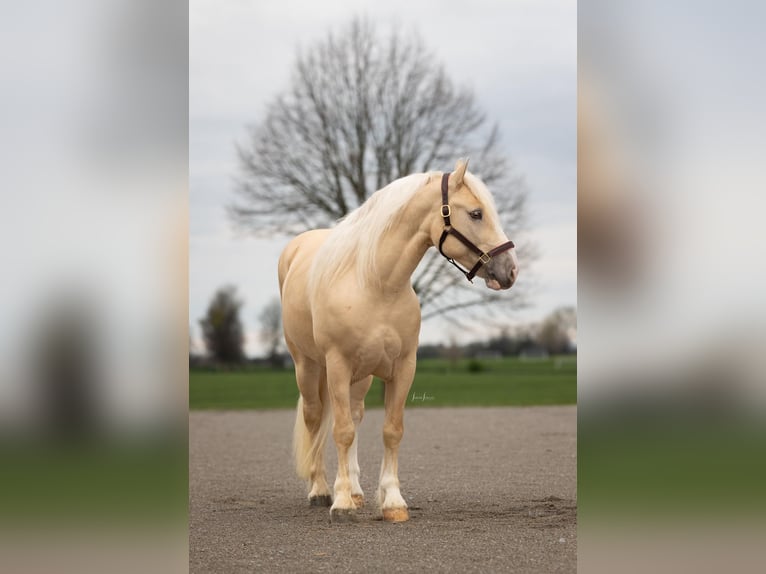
(371,335)
(378,351)
(375,347)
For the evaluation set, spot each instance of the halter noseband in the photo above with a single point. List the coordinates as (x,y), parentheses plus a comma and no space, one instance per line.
(484,258)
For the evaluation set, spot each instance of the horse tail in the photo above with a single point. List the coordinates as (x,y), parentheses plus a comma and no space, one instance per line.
(305,449)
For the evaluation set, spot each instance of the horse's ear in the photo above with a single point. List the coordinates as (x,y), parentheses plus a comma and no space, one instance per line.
(459,173)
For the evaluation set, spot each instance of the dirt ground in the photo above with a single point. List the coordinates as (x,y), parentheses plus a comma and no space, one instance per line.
(489,490)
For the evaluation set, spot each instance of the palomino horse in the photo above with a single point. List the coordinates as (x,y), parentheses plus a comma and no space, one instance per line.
(349,312)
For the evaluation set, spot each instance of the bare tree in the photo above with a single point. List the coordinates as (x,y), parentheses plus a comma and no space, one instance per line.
(222,328)
(557,330)
(362,110)
(271,329)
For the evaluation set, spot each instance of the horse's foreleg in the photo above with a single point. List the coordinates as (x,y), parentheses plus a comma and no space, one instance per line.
(339,386)
(390,500)
(358,392)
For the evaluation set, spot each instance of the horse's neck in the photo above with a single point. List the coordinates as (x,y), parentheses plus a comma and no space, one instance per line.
(405,244)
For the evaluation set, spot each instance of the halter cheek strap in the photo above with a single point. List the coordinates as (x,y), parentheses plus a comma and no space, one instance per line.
(484,258)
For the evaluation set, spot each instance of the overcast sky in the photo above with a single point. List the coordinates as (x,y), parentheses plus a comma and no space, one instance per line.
(518,56)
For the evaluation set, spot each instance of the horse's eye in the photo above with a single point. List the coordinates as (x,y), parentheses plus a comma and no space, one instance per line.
(475,214)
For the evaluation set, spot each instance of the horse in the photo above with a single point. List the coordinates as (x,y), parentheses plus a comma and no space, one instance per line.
(349,313)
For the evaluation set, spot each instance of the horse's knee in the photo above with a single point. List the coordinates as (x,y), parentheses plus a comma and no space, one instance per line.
(392,434)
(343,433)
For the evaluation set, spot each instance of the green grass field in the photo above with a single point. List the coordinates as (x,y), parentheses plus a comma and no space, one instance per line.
(56,482)
(665,463)
(508,381)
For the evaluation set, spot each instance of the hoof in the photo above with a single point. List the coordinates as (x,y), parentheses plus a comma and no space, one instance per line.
(321,500)
(358,500)
(395,515)
(343,515)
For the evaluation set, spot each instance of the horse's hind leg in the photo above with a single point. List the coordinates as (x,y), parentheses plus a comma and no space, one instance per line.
(358,392)
(390,500)
(313,387)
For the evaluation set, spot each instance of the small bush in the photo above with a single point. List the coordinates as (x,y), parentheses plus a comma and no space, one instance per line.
(475,366)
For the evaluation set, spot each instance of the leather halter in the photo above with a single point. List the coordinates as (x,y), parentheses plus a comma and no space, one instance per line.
(484,258)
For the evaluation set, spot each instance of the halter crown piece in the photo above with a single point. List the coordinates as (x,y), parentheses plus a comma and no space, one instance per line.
(484,258)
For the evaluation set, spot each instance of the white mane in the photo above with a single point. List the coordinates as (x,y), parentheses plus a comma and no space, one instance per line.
(356,237)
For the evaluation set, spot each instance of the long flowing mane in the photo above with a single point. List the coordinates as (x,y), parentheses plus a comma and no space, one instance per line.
(356,237)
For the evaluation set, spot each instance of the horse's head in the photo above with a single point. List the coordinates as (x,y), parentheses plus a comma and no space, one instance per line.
(469,231)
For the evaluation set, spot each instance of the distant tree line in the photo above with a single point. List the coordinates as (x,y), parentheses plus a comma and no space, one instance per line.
(224,337)
(555,335)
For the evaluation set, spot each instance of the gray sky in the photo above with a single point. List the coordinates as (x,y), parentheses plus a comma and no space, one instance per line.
(518,56)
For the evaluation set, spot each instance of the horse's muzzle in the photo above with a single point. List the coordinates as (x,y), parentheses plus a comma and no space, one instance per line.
(502,271)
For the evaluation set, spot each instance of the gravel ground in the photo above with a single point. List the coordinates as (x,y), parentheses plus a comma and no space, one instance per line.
(489,490)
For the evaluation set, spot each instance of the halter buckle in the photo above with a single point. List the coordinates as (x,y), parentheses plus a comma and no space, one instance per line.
(484,258)
(446,211)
